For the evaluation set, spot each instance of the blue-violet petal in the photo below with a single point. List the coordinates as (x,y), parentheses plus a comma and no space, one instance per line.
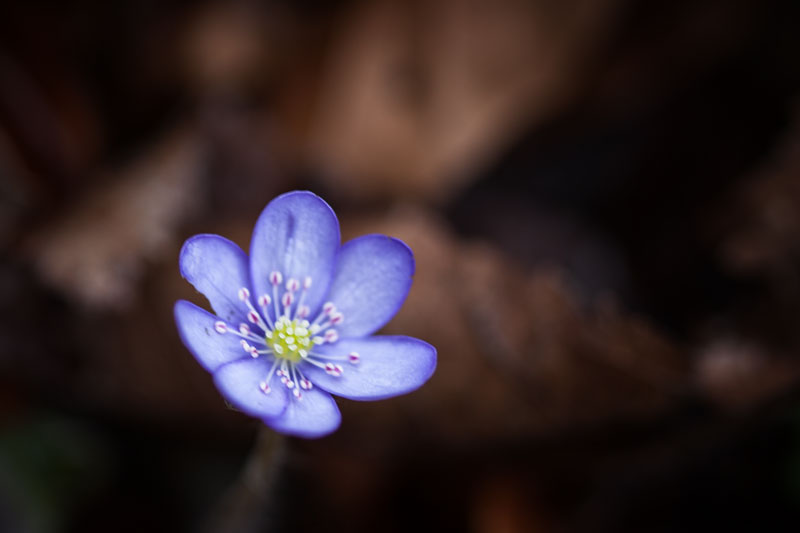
(384,366)
(297,235)
(241,382)
(196,329)
(217,268)
(314,415)
(372,279)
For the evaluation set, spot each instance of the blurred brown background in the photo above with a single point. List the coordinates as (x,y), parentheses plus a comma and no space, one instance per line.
(603,197)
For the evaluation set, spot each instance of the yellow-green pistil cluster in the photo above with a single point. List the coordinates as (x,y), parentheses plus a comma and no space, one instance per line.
(291,339)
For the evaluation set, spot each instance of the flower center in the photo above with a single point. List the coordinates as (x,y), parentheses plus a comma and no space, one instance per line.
(290,339)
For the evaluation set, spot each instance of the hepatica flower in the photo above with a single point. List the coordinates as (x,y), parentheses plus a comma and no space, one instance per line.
(294,321)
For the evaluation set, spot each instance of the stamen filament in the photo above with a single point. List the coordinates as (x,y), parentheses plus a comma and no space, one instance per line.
(275,301)
(264,301)
(288,337)
(300,303)
(265,384)
(329,357)
(296,390)
(234,331)
(326,310)
(254,316)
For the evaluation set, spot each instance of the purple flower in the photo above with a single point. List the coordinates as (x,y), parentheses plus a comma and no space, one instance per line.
(295,320)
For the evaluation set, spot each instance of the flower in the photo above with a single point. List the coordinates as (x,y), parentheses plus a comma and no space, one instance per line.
(295,320)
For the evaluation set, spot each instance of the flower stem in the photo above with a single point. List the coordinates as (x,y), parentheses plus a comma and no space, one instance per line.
(246,505)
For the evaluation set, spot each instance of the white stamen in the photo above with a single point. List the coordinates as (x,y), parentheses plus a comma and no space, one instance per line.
(287,299)
(275,300)
(254,317)
(264,385)
(289,339)
(333,370)
(335,318)
(331,335)
(303,310)
(219,325)
(304,381)
(327,309)
(315,363)
(292,284)
(296,390)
